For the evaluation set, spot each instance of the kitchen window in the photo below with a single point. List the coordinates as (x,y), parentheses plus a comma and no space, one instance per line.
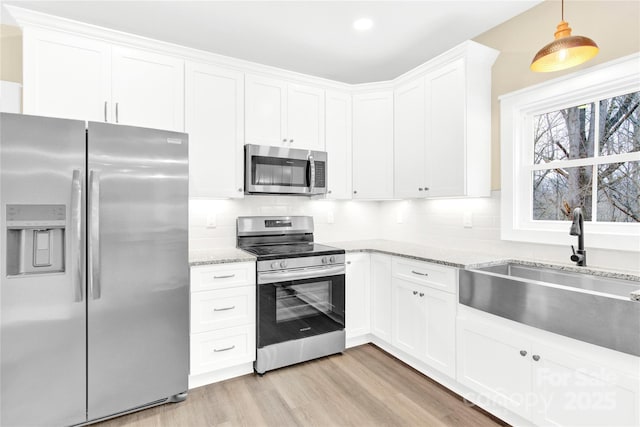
(574,142)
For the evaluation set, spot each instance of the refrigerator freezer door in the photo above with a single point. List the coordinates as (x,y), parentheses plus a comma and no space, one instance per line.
(42,301)
(138,301)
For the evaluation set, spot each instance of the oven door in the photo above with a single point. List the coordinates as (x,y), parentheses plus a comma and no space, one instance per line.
(299,308)
(281,170)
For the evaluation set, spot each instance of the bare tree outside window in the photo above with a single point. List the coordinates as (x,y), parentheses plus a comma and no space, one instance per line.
(562,138)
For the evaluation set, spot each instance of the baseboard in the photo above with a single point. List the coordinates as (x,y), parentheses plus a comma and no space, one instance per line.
(220,375)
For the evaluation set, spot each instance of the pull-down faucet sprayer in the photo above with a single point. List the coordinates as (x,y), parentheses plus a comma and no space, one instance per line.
(577,229)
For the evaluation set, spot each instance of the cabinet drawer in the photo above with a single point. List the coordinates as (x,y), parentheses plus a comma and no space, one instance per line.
(211,351)
(222,276)
(222,308)
(432,275)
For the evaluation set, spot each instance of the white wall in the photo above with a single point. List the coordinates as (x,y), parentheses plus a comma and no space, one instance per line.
(436,223)
(352,220)
(440,223)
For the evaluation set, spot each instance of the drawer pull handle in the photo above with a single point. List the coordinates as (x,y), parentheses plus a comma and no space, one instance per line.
(225,308)
(228,276)
(418,273)
(215,350)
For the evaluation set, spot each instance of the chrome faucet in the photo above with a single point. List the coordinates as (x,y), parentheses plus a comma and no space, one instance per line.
(577,229)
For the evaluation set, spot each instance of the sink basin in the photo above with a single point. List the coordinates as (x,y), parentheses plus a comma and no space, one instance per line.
(590,308)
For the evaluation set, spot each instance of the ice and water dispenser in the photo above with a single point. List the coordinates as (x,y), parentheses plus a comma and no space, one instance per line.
(35,239)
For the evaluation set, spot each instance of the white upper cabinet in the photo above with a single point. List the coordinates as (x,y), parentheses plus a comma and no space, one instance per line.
(446,162)
(338,144)
(443,126)
(66,76)
(373,145)
(305,117)
(147,89)
(214,119)
(409,140)
(283,114)
(82,78)
(266,111)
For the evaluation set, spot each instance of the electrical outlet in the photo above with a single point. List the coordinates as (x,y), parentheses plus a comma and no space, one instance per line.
(467,219)
(330,218)
(212,221)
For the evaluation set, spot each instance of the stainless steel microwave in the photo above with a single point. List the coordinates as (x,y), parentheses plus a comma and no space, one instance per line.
(282,170)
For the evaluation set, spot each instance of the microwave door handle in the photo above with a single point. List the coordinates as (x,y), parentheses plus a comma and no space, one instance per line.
(312,170)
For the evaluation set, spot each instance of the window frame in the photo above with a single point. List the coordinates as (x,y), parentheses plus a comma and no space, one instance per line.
(517,110)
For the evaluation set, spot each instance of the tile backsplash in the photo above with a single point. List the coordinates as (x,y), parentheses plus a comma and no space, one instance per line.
(439,223)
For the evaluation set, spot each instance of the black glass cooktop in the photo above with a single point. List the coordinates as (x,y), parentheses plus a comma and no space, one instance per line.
(293,250)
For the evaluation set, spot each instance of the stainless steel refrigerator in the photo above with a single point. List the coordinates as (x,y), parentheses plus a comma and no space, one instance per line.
(94,269)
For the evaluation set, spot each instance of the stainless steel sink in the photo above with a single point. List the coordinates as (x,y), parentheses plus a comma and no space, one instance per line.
(590,308)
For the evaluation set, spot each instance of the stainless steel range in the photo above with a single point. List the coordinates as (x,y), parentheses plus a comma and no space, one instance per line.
(300,292)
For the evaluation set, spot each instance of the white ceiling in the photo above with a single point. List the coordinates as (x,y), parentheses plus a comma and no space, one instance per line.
(311,37)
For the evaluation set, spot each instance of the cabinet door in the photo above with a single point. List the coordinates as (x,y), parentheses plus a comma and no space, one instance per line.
(66,76)
(495,363)
(305,117)
(357,295)
(446,131)
(409,140)
(572,390)
(148,89)
(266,110)
(373,146)
(440,320)
(381,296)
(338,144)
(214,119)
(408,317)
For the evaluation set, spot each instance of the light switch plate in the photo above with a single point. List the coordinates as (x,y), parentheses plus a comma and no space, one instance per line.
(212,221)
(467,219)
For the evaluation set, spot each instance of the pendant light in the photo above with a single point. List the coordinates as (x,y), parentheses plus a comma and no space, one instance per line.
(565,51)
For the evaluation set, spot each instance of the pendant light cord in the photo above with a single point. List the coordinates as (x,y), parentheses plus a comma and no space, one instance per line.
(562,10)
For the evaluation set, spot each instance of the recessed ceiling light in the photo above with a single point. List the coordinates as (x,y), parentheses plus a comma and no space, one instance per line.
(363,24)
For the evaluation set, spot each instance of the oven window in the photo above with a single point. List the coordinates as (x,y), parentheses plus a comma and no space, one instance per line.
(300,301)
(279,171)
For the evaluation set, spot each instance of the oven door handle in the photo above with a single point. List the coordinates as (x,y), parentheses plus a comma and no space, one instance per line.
(305,273)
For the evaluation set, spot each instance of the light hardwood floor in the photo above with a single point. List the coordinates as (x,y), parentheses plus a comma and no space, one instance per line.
(362,387)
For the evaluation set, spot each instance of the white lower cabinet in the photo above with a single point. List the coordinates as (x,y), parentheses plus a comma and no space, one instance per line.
(545,378)
(381,296)
(357,307)
(423,316)
(223,322)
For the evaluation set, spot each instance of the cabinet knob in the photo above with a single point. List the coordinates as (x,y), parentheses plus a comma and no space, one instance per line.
(421,294)
(240,190)
(355,192)
(291,141)
(426,188)
(523,353)
(348,262)
(420,189)
(415,292)
(284,140)
(536,357)
(328,191)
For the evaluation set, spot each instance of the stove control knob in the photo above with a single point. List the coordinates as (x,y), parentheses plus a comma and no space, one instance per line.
(283,264)
(332,259)
(324,259)
(274,265)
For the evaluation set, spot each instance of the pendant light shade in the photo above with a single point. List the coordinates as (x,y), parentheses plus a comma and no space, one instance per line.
(565,51)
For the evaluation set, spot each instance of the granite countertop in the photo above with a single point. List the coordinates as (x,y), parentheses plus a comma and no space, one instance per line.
(218,256)
(466,259)
(444,256)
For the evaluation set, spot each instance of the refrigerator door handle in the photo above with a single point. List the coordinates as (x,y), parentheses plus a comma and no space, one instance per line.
(94,234)
(76,234)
